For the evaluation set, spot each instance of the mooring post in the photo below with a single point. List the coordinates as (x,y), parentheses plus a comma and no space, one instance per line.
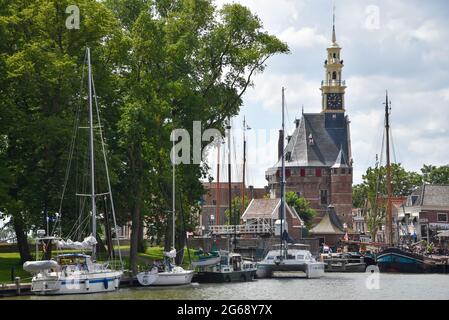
(17,282)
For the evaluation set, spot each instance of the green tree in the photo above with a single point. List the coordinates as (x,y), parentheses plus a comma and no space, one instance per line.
(435,175)
(41,63)
(374,187)
(237,210)
(187,61)
(302,207)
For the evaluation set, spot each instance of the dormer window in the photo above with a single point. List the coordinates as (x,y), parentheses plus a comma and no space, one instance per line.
(288,156)
(311,142)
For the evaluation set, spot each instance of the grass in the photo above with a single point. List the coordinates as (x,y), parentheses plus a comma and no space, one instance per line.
(9,261)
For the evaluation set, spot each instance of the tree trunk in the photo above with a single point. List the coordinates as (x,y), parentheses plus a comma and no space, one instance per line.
(22,241)
(136,173)
(141,241)
(107,228)
(134,237)
(48,249)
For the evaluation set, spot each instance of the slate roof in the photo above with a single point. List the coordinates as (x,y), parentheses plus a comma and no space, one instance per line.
(430,195)
(329,135)
(329,224)
(267,209)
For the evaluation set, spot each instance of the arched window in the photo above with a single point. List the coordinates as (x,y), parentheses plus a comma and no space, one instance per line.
(334,55)
(334,75)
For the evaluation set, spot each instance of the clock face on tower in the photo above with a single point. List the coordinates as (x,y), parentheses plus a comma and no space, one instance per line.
(335,101)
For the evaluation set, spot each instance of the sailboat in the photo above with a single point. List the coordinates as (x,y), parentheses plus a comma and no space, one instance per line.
(78,273)
(288,258)
(394,259)
(168,274)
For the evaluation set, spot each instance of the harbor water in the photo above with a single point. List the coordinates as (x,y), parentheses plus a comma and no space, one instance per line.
(334,286)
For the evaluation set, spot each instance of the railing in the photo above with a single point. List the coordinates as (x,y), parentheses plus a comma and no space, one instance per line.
(333,60)
(241,229)
(333,83)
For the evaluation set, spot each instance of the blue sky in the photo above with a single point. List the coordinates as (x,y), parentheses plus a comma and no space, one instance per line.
(399,45)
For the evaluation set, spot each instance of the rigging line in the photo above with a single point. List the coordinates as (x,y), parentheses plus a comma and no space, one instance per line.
(392,145)
(107,172)
(74,230)
(72,147)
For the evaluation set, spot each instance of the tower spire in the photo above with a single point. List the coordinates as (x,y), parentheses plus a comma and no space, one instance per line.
(334,37)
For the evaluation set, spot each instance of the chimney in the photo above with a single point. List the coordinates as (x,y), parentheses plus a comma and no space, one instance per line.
(280,143)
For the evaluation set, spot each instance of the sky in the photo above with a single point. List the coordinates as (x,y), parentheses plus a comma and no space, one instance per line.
(397,45)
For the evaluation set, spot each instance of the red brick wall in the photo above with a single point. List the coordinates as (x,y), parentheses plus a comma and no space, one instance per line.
(339,188)
(432,216)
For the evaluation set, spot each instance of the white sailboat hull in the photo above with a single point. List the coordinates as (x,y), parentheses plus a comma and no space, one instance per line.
(176,277)
(57,284)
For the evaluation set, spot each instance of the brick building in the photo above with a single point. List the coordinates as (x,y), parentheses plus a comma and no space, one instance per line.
(218,196)
(318,157)
(426,211)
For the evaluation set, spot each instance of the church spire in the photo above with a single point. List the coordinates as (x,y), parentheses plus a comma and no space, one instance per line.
(334,37)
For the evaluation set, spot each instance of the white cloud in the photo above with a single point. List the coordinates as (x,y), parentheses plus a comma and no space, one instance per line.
(299,91)
(303,38)
(407,55)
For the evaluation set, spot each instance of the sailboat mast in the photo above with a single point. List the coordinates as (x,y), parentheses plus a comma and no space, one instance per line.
(389,192)
(218,193)
(92,156)
(282,212)
(173,192)
(231,216)
(242,209)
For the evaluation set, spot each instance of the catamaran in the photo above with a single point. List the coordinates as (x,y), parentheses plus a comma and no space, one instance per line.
(79,273)
(293,258)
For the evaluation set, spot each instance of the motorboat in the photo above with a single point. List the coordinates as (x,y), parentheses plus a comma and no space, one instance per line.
(343,262)
(230,267)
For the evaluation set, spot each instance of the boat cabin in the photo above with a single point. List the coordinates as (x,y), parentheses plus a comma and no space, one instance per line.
(75,261)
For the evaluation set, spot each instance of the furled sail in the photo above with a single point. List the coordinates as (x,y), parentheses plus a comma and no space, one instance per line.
(87,243)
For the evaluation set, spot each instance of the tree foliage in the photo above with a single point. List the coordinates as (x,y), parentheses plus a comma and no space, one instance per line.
(302,207)
(157,65)
(237,210)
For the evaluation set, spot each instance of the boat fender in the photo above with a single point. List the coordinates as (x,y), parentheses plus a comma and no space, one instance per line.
(105,283)
(87,285)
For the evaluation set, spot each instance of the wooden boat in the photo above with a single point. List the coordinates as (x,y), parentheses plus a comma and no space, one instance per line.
(396,260)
